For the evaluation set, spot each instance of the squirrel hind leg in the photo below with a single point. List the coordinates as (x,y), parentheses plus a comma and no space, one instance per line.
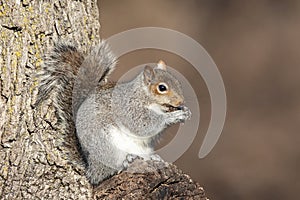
(98,172)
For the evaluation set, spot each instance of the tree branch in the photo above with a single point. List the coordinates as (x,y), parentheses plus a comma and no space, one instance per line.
(150,180)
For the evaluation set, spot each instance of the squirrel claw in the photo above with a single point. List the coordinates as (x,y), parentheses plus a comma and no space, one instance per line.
(156,157)
(129,159)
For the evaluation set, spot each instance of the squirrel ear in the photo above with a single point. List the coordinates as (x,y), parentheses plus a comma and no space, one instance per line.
(161,65)
(148,74)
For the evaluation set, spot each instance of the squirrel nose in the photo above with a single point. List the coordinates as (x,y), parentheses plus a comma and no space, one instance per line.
(181,107)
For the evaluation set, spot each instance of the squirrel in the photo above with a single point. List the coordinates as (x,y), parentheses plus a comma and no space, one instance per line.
(115,122)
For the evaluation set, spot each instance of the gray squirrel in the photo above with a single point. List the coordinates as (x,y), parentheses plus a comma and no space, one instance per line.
(115,122)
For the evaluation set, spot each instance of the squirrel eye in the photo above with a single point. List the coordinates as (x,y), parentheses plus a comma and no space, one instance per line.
(162,88)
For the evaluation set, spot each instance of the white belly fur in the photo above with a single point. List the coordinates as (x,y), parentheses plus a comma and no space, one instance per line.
(126,141)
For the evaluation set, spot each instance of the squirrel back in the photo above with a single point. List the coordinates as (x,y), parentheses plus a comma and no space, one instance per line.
(71,76)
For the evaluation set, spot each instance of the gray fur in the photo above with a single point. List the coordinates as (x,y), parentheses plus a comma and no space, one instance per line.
(114,123)
(125,105)
(56,79)
(94,70)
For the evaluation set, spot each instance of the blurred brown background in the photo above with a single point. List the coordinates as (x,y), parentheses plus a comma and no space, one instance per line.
(256,47)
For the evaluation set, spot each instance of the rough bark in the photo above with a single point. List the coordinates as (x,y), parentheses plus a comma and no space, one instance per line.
(150,180)
(38,158)
(35,153)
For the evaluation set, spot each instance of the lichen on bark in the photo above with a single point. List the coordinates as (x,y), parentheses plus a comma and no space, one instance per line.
(35,155)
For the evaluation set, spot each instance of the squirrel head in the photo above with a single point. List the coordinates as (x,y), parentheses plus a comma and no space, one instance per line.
(164,88)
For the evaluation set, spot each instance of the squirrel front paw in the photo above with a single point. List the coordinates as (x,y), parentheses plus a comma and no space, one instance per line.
(178,116)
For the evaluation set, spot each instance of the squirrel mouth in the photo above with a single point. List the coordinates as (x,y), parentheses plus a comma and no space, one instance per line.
(170,108)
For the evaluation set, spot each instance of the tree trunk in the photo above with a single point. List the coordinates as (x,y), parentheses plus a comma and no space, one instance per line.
(39,158)
(35,154)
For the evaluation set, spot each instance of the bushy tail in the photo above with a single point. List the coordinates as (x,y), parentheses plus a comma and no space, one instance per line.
(67,77)
(95,69)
